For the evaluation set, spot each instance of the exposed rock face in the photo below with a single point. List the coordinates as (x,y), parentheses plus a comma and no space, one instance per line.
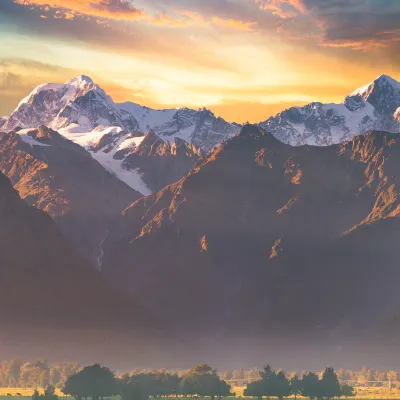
(159,162)
(52,302)
(198,127)
(61,178)
(254,235)
(374,106)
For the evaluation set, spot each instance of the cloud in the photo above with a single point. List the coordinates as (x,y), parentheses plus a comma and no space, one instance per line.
(356,24)
(7,80)
(150,42)
(351,24)
(114,9)
(124,10)
(19,76)
(234,24)
(282,8)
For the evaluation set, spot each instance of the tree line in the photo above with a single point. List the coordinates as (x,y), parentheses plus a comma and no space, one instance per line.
(97,382)
(40,374)
(277,384)
(365,375)
(16,373)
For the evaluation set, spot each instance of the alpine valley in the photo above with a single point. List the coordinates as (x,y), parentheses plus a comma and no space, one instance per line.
(243,237)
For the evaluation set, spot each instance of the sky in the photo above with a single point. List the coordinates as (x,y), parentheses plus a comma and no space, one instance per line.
(244,59)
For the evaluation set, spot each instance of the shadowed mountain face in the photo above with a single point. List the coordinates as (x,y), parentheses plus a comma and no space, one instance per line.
(267,240)
(53,303)
(61,178)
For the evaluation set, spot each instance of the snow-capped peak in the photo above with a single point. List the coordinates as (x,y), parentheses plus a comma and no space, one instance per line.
(69,89)
(381,82)
(80,80)
(373,106)
(41,88)
(78,101)
(383,93)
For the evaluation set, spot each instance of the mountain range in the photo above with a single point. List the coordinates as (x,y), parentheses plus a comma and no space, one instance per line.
(82,112)
(253,237)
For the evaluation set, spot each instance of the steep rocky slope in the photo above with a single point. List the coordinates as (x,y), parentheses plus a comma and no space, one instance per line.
(160,162)
(52,302)
(3,120)
(59,177)
(147,163)
(260,235)
(199,127)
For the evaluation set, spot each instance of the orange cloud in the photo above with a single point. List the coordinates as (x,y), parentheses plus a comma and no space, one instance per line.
(382,40)
(234,24)
(192,15)
(114,9)
(356,45)
(282,8)
(298,4)
(124,10)
(166,20)
(64,15)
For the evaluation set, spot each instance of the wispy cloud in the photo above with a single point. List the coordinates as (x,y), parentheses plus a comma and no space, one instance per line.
(234,24)
(125,10)
(115,9)
(282,8)
(351,24)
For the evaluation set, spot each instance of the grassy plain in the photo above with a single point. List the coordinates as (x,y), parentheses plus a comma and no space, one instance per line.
(362,393)
(12,393)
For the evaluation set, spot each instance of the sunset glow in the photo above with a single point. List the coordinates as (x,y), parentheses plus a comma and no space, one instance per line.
(243,59)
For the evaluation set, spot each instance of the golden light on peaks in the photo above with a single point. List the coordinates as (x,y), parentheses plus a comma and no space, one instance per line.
(245,60)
